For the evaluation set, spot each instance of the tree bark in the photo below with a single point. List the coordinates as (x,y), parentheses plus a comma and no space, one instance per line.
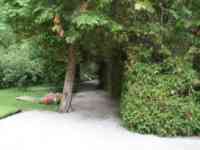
(66,102)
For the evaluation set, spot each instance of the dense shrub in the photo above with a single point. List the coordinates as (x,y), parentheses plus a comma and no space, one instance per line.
(159,98)
(53,69)
(19,67)
(193,56)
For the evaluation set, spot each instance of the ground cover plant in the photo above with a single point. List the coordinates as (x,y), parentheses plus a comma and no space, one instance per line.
(160,98)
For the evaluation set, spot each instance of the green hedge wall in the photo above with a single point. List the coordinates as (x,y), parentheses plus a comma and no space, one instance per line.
(159,98)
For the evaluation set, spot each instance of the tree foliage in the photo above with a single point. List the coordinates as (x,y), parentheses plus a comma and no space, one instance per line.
(154,31)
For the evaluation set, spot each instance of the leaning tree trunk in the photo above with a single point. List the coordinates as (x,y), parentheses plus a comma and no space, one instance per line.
(65,105)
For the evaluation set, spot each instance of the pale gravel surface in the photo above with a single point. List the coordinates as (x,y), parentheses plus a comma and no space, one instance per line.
(94,125)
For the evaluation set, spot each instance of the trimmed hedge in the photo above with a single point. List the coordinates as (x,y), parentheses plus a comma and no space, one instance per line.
(158,98)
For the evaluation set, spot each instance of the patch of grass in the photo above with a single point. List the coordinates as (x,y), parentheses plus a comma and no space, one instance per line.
(6,111)
(9,104)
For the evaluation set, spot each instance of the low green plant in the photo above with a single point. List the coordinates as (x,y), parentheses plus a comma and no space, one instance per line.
(159,98)
(18,67)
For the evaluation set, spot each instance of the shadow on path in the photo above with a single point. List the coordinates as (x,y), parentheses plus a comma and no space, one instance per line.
(92,102)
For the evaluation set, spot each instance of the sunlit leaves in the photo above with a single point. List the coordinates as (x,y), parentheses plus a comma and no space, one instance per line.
(144,5)
(46,15)
(90,20)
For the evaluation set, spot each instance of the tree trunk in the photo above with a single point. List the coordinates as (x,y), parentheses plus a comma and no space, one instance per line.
(66,103)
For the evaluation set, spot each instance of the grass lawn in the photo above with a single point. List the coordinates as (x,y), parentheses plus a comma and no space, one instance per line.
(9,104)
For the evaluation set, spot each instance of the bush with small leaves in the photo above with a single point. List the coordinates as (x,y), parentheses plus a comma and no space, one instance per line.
(160,99)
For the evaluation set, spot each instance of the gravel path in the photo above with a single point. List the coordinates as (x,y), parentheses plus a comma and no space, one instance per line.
(93,125)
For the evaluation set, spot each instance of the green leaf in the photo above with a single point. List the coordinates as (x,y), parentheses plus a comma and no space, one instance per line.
(144,5)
